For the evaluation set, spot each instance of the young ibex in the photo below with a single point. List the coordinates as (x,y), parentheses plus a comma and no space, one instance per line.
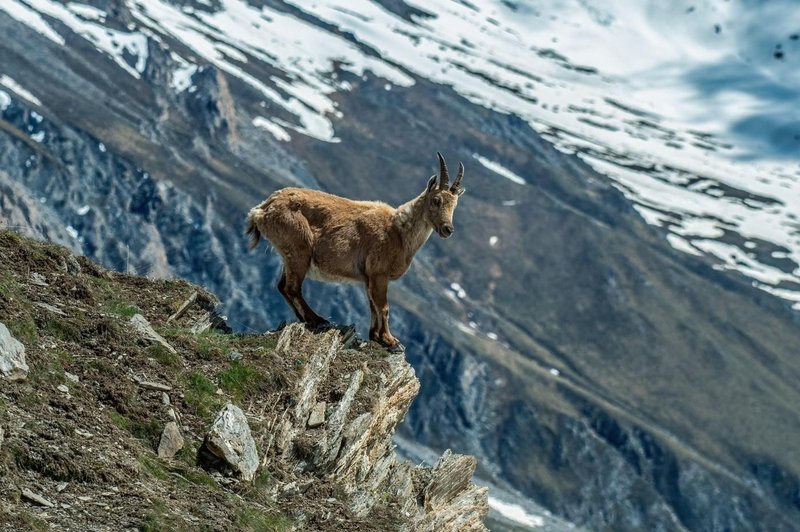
(330,238)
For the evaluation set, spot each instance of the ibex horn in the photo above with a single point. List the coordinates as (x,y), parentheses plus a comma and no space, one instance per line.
(444,177)
(459,177)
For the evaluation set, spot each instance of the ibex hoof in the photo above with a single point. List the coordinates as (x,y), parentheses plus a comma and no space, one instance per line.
(396,348)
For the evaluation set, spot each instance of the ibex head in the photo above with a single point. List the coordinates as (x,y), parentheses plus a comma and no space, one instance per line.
(441,200)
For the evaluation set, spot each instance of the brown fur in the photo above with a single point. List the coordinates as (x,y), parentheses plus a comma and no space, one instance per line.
(335,239)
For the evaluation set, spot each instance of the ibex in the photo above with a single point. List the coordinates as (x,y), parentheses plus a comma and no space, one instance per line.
(330,238)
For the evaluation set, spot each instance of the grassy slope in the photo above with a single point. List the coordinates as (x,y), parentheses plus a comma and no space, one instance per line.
(100,437)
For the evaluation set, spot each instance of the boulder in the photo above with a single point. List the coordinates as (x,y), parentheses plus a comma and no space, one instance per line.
(12,356)
(171,441)
(230,441)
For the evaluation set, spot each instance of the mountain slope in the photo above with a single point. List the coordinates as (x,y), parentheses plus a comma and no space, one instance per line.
(588,364)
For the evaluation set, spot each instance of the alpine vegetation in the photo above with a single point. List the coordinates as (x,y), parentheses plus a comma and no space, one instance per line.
(335,239)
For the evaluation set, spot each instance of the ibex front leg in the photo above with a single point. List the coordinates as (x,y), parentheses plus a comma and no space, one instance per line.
(377,288)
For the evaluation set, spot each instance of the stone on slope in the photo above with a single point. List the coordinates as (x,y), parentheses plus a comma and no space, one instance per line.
(229,440)
(317,416)
(35,497)
(12,356)
(171,441)
(143,328)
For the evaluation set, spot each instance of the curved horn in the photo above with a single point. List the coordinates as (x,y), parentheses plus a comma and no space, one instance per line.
(444,177)
(459,177)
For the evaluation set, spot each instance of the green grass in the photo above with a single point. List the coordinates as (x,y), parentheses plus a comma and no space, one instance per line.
(24,330)
(47,372)
(9,287)
(156,519)
(200,394)
(147,430)
(211,345)
(164,356)
(61,330)
(121,308)
(241,380)
(251,519)
(152,466)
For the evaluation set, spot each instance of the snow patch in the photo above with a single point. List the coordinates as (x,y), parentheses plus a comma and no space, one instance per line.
(493,241)
(87,12)
(83,211)
(277,131)
(72,232)
(15,87)
(117,44)
(515,513)
(5,100)
(182,76)
(38,136)
(458,290)
(19,11)
(499,169)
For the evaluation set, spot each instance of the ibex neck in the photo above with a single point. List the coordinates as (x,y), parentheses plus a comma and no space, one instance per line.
(410,219)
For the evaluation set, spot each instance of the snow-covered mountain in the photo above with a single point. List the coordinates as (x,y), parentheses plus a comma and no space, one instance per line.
(691,107)
(139,131)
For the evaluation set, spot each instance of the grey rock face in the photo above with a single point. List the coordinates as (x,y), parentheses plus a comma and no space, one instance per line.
(229,439)
(171,441)
(12,356)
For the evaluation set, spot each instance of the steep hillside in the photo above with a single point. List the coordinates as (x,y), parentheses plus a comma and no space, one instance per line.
(592,367)
(106,421)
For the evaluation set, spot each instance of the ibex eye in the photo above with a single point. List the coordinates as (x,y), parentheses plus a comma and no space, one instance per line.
(437,200)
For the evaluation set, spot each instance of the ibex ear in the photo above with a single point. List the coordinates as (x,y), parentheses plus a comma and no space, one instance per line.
(461,191)
(431,184)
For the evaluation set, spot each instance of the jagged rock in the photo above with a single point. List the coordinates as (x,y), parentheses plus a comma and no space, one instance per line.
(35,497)
(72,377)
(143,328)
(171,441)
(183,308)
(63,388)
(210,320)
(358,451)
(451,475)
(234,356)
(317,415)
(38,279)
(71,266)
(12,356)
(2,437)
(165,399)
(229,440)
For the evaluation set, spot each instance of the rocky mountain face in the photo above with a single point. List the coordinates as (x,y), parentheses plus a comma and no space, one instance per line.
(124,407)
(592,369)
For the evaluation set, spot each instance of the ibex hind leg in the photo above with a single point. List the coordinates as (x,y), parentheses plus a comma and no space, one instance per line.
(291,287)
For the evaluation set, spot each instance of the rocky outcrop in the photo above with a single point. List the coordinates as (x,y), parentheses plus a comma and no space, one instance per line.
(12,356)
(353,442)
